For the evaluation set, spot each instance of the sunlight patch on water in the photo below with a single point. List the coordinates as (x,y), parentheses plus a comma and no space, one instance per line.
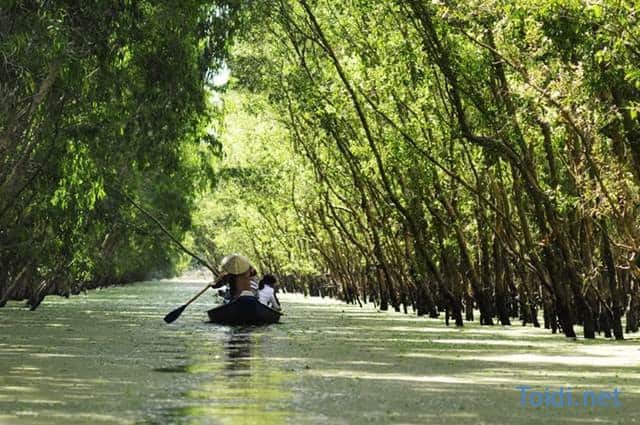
(490,342)
(531,358)
(47,355)
(390,377)
(18,389)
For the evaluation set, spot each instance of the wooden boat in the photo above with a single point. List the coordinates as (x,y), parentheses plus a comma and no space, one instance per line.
(245,310)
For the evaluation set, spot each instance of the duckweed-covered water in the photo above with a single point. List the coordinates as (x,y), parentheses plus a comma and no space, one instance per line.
(108,358)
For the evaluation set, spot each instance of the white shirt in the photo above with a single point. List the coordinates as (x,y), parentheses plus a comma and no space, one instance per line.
(267,297)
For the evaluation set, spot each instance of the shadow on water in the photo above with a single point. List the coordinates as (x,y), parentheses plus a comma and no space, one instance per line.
(173,369)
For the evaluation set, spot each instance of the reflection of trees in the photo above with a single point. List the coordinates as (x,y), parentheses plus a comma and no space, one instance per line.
(238,351)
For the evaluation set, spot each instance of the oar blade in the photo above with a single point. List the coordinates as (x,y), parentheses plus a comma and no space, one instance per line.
(171,317)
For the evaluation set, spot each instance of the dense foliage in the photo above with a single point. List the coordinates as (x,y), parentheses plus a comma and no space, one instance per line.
(434,155)
(446,155)
(102,104)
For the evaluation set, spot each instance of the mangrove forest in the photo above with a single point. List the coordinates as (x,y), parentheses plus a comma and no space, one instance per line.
(436,158)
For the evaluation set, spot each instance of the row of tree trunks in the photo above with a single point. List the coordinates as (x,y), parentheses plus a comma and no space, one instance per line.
(468,198)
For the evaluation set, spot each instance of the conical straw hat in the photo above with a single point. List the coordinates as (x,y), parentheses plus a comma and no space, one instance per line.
(235,264)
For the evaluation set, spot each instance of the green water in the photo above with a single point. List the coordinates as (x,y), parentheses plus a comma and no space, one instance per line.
(108,358)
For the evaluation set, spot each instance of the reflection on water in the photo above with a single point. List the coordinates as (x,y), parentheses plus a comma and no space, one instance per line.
(238,352)
(235,386)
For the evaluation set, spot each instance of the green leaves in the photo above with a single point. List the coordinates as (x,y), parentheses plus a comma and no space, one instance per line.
(439,143)
(127,109)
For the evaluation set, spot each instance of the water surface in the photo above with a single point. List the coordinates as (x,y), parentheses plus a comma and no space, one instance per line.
(107,357)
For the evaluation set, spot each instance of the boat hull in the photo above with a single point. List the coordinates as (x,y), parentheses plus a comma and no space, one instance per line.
(244,311)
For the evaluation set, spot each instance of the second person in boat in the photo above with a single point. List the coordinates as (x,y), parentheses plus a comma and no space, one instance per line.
(267,292)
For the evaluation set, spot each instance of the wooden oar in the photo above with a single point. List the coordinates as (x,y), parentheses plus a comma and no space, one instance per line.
(171,317)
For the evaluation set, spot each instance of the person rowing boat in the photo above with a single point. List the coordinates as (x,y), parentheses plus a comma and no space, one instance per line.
(237,272)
